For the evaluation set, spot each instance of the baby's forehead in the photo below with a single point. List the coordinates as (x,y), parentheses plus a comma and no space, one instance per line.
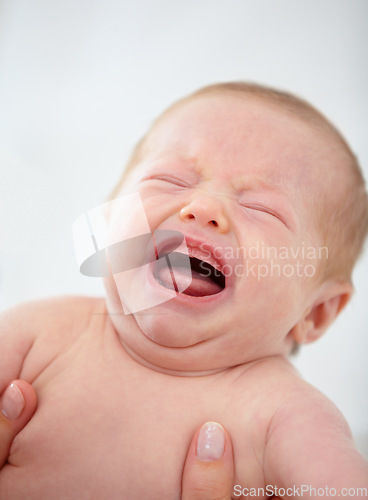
(202,129)
(228,117)
(232,126)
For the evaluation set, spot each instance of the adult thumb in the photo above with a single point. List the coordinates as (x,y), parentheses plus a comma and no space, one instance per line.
(17,405)
(209,467)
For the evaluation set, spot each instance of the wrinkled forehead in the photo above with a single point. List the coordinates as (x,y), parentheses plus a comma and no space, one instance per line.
(244,133)
(241,135)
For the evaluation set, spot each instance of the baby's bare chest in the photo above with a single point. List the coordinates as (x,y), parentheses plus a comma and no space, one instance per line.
(108,428)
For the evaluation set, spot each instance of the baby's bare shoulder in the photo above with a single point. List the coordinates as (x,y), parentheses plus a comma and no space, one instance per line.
(301,425)
(38,317)
(290,393)
(294,405)
(279,390)
(309,431)
(50,325)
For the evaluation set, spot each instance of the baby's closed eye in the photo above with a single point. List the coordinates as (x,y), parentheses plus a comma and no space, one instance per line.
(263,209)
(169,179)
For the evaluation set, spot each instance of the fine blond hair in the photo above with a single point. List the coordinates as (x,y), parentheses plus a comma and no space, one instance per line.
(343,225)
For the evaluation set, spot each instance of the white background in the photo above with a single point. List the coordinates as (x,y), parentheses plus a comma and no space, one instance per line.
(80,81)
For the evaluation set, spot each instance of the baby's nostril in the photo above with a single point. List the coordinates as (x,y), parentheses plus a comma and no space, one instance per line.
(214,223)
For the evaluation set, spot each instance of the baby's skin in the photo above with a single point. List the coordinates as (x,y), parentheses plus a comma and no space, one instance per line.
(120,395)
(109,427)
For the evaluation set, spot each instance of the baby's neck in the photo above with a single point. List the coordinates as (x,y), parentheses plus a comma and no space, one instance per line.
(154,363)
(166,371)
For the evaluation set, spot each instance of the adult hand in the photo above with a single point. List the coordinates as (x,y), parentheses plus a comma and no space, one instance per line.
(17,403)
(209,467)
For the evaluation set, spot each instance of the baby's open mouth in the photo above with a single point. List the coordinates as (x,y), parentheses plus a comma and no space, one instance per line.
(201,280)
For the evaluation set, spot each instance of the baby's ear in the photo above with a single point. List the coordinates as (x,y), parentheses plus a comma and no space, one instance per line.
(332,298)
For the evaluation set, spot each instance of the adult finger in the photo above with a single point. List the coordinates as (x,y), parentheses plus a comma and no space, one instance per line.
(209,466)
(17,404)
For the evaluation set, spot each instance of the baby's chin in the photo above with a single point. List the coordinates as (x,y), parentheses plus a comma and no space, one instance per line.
(168,340)
(156,348)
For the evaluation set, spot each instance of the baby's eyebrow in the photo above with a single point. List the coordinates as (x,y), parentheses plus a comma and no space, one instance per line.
(256,183)
(176,161)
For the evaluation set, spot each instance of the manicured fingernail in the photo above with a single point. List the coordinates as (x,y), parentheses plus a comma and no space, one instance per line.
(211,442)
(12,403)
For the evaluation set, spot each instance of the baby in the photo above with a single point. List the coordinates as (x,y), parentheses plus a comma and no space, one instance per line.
(265,201)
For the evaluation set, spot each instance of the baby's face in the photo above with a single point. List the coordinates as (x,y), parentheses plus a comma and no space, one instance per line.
(237,178)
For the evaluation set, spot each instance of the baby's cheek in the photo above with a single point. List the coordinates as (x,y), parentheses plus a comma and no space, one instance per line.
(275,289)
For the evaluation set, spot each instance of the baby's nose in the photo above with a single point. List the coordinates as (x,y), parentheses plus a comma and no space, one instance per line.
(205,210)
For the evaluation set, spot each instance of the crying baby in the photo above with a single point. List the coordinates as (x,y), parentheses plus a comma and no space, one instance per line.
(196,325)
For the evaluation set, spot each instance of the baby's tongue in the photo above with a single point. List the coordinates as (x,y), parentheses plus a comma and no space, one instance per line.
(199,286)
